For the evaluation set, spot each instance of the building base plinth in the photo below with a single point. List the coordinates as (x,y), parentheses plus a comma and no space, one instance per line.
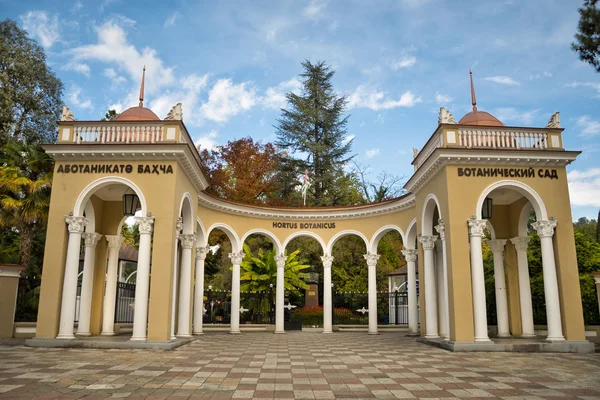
(514,345)
(95,342)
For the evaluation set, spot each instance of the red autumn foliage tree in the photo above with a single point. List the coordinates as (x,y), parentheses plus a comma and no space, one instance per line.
(243,171)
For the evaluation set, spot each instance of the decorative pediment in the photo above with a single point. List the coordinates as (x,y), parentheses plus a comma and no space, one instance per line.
(554,121)
(445,117)
(176,113)
(67,115)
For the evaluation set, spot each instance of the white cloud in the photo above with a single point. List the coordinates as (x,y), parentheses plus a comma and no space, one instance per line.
(275,96)
(593,85)
(503,80)
(375,99)
(171,20)
(41,26)
(512,114)
(78,6)
(207,141)
(76,100)
(77,66)
(118,107)
(227,99)
(371,153)
(403,62)
(584,187)
(442,98)
(546,74)
(115,78)
(313,9)
(589,127)
(188,92)
(347,139)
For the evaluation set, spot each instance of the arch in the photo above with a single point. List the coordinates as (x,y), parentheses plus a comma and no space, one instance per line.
(490,228)
(524,219)
(276,244)
(231,235)
(90,215)
(379,234)
(531,195)
(304,233)
(187,214)
(431,202)
(411,235)
(200,232)
(346,233)
(89,190)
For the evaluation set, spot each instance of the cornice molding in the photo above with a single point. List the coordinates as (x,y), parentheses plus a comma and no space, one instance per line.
(449,156)
(212,203)
(181,153)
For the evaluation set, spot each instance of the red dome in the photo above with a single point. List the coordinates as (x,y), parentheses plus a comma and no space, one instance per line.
(137,114)
(480,118)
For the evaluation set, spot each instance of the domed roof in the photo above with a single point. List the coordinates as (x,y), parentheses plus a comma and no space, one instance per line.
(477,117)
(480,118)
(137,114)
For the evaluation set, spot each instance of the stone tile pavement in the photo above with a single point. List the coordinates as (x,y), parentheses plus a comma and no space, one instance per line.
(296,365)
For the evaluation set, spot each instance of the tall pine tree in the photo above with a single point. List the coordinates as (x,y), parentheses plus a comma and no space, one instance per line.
(314,126)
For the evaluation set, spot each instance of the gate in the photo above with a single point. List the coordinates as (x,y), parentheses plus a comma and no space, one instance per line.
(125,303)
(352,308)
(255,307)
(292,311)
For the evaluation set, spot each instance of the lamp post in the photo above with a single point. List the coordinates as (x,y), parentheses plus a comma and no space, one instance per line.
(131,203)
(486,209)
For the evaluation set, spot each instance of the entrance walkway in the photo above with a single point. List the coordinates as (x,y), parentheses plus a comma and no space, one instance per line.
(295,365)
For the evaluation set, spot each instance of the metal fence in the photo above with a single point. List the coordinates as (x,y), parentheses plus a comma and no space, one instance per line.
(352,308)
(125,303)
(255,307)
(27,300)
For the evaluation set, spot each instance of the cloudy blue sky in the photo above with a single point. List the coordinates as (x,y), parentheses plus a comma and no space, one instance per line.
(230,64)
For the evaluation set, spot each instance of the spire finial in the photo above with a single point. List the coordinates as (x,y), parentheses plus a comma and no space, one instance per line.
(142,88)
(473,100)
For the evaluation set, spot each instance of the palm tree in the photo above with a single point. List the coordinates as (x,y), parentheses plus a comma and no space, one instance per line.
(25,184)
(259,274)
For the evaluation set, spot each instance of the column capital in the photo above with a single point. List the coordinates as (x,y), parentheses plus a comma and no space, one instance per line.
(410,254)
(178,226)
(497,245)
(327,260)
(91,239)
(187,240)
(520,242)
(441,229)
(76,224)
(476,226)
(114,241)
(201,252)
(545,228)
(145,224)
(280,260)
(428,242)
(371,258)
(236,258)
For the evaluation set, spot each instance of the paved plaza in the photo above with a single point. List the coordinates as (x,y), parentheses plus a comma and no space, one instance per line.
(296,365)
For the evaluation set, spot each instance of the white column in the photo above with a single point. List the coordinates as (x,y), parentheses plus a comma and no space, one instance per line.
(431,320)
(176,263)
(279,293)
(545,230)
(441,296)
(201,253)
(327,295)
(411,265)
(520,244)
(476,232)
(110,292)
(372,285)
(440,228)
(236,260)
(142,281)
(90,240)
(497,247)
(185,285)
(69,290)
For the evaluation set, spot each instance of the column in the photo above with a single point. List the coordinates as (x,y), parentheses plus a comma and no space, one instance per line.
(476,232)
(441,297)
(185,285)
(236,260)
(90,240)
(142,285)
(545,230)
(431,321)
(372,269)
(327,295)
(69,290)
(279,293)
(520,244)
(440,228)
(411,265)
(110,291)
(497,247)
(176,263)
(201,253)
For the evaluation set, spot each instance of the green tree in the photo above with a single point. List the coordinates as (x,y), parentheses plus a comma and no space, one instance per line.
(587,39)
(110,115)
(30,93)
(586,227)
(314,127)
(25,183)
